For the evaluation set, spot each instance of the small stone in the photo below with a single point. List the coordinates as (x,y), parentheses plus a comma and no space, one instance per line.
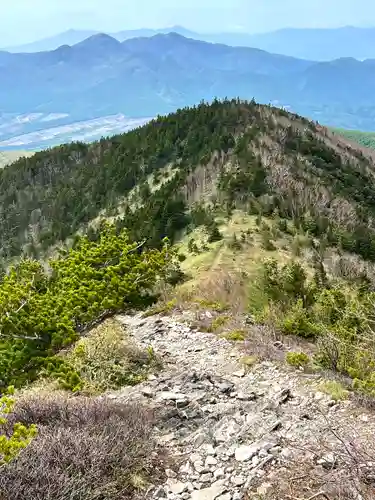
(319,396)
(178,488)
(147,392)
(244,453)
(226,496)
(209,450)
(170,473)
(211,493)
(275,450)
(186,468)
(211,461)
(219,473)
(240,373)
(170,396)
(199,467)
(247,397)
(238,480)
(264,489)
(167,438)
(225,387)
(199,439)
(206,478)
(159,493)
(328,461)
(195,457)
(182,402)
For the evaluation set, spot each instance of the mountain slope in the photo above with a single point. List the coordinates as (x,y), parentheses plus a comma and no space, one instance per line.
(227,154)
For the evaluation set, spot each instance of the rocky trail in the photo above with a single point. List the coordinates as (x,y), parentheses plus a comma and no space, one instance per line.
(238,433)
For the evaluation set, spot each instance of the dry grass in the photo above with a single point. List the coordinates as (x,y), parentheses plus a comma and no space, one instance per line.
(85,450)
(107,359)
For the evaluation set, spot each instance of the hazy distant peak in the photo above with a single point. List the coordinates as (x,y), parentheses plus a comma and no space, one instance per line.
(98,41)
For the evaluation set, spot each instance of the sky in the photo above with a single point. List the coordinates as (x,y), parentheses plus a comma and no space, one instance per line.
(23,21)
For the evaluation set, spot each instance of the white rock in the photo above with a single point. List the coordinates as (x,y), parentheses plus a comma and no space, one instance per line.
(211,461)
(170,396)
(244,453)
(211,493)
(209,450)
(178,488)
(219,473)
(240,373)
(199,467)
(226,496)
(170,473)
(238,480)
(206,478)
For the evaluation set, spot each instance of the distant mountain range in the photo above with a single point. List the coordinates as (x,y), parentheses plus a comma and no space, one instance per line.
(313,44)
(143,77)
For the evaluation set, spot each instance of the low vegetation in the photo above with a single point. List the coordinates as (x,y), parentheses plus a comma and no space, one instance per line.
(104,360)
(85,449)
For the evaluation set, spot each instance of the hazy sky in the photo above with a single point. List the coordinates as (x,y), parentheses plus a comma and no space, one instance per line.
(28,20)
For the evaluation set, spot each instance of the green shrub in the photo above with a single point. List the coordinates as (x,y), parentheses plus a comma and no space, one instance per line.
(334,389)
(249,361)
(297,322)
(267,243)
(41,313)
(18,436)
(219,322)
(214,306)
(213,233)
(235,243)
(235,335)
(297,359)
(162,308)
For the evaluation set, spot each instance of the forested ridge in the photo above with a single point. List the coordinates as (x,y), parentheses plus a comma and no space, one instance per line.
(250,151)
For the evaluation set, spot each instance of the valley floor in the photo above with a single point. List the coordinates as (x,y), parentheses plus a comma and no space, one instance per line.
(237,429)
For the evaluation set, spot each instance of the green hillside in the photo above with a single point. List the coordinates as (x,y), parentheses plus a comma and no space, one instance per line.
(366,139)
